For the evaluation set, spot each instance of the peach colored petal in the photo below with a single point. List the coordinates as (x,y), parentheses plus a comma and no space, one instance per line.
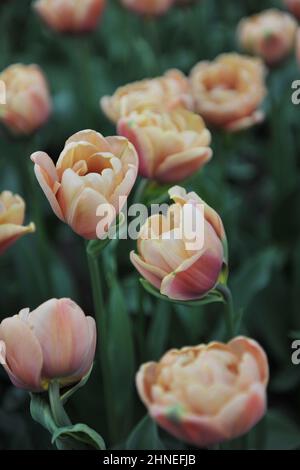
(10,233)
(92,137)
(23,354)
(181,165)
(152,273)
(64,335)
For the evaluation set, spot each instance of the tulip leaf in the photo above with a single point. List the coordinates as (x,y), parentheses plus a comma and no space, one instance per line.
(41,413)
(79,436)
(210,297)
(68,394)
(145,436)
(282,432)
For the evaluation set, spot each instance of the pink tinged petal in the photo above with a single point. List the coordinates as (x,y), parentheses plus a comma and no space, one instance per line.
(198,274)
(48,184)
(142,144)
(71,186)
(64,335)
(197,430)
(245,123)
(106,104)
(242,345)
(73,153)
(243,411)
(10,233)
(181,165)
(92,137)
(151,273)
(124,189)
(123,149)
(23,357)
(89,355)
(82,215)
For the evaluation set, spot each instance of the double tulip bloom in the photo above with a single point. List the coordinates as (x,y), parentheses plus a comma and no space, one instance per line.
(293,6)
(229,91)
(166,257)
(148,7)
(171,145)
(91,171)
(70,16)
(56,341)
(12,213)
(270,35)
(28,103)
(207,394)
(170,91)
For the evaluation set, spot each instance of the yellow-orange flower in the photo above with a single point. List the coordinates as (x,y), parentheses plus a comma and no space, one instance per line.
(91,171)
(12,213)
(171,145)
(72,16)
(170,91)
(28,102)
(229,91)
(208,393)
(148,7)
(270,35)
(56,341)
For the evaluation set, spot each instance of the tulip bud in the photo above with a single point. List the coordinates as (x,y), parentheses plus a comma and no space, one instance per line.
(171,146)
(183,262)
(73,16)
(28,104)
(294,7)
(56,341)
(229,91)
(168,92)
(92,171)
(207,394)
(270,35)
(12,213)
(148,7)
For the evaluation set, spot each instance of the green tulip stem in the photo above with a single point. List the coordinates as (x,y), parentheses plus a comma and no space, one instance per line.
(229,310)
(57,409)
(93,250)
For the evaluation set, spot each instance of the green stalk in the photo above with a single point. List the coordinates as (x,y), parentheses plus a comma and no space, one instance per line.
(229,310)
(101,321)
(58,412)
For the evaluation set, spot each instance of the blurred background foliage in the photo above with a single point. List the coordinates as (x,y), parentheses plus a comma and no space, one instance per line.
(253,182)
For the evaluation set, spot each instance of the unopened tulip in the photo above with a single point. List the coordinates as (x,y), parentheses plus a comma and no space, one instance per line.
(70,16)
(229,91)
(270,35)
(207,394)
(171,145)
(28,104)
(56,341)
(293,6)
(168,92)
(91,171)
(12,213)
(148,7)
(182,264)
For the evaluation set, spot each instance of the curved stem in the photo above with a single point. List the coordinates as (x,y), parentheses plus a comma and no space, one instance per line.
(229,310)
(101,321)
(58,412)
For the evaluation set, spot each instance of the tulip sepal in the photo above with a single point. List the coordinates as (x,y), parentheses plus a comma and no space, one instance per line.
(212,296)
(52,416)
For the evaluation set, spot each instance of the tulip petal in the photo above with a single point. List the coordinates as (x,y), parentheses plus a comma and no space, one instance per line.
(23,356)
(151,273)
(242,345)
(46,175)
(65,337)
(10,233)
(92,137)
(179,166)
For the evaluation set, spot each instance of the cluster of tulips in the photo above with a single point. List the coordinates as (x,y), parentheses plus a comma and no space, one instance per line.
(204,394)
